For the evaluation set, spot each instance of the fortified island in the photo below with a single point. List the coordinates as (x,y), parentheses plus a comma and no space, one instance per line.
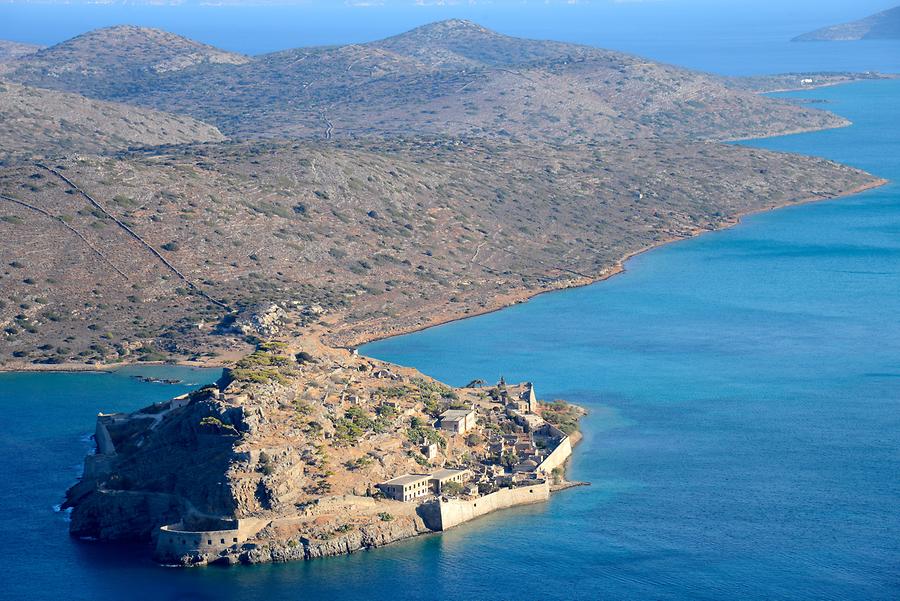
(164,200)
(302,451)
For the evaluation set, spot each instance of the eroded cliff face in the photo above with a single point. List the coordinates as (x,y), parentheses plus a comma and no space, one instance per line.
(167,462)
(287,441)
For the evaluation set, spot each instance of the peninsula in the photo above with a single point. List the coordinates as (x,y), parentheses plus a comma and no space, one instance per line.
(880,26)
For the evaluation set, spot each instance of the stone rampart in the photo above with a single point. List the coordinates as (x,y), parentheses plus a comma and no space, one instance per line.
(558,457)
(104,441)
(174,541)
(441,515)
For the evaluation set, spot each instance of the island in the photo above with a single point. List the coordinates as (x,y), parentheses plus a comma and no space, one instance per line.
(884,25)
(162,200)
(302,451)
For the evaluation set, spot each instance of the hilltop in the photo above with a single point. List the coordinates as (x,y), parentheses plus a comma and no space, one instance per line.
(880,26)
(109,63)
(450,78)
(13,50)
(40,122)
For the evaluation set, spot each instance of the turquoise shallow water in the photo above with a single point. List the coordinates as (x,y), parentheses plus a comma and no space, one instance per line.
(743,442)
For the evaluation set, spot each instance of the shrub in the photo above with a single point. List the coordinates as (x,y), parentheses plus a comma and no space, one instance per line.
(261,367)
(353,425)
(304,357)
(214,423)
(451,488)
(265,464)
(562,415)
(386,411)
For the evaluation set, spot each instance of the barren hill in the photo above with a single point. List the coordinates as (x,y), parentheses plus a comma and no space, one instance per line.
(109,63)
(462,170)
(449,78)
(13,50)
(880,26)
(460,43)
(384,236)
(46,122)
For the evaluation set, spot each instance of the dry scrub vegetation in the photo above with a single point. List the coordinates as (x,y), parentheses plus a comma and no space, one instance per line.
(436,174)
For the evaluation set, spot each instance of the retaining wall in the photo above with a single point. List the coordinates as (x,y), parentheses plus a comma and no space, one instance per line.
(442,515)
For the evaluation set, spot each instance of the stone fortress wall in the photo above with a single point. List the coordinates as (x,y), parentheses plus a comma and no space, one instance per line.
(443,514)
(559,455)
(209,537)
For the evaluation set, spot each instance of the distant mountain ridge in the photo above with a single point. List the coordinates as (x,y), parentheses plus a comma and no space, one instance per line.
(113,58)
(447,78)
(880,26)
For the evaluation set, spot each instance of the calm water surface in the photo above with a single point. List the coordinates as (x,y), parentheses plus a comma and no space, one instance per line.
(743,442)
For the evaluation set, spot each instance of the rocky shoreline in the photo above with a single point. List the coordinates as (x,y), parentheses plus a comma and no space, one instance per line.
(441,317)
(287,457)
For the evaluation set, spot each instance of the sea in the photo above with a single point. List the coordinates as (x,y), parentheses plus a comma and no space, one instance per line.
(743,440)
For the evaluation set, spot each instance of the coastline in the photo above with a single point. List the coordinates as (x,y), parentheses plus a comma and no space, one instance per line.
(793,132)
(511,298)
(617,268)
(502,302)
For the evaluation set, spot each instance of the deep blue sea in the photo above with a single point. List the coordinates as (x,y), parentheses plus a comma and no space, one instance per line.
(744,386)
(743,441)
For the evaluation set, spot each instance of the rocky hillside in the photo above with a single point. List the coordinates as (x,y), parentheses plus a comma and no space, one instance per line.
(13,50)
(293,440)
(113,62)
(385,236)
(880,26)
(457,170)
(36,121)
(449,78)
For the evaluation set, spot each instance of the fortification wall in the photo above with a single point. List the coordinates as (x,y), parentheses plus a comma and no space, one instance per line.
(558,457)
(447,514)
(551,430)
(174,542)
(97,466)
(104,441)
